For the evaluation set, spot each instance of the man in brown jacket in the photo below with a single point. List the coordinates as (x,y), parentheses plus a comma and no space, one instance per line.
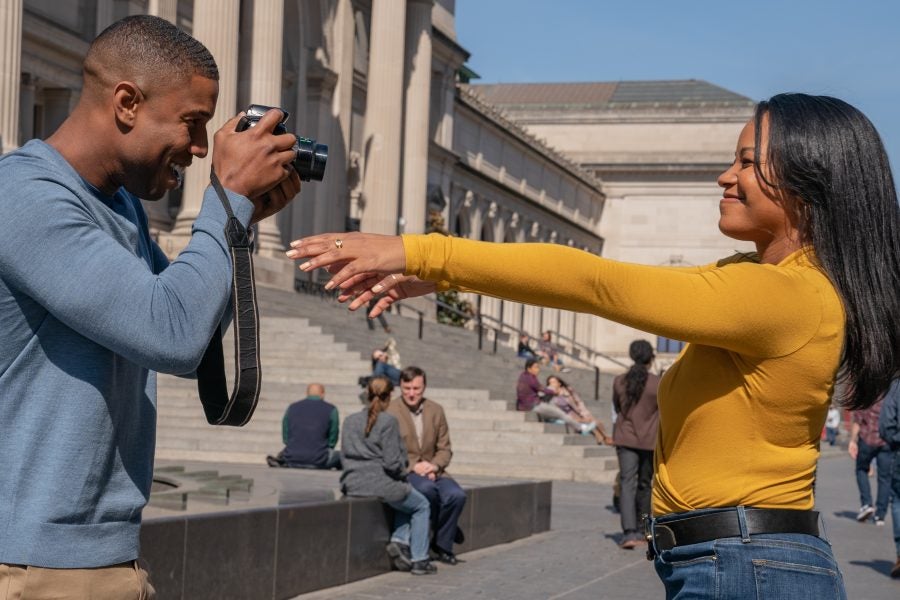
(423,427)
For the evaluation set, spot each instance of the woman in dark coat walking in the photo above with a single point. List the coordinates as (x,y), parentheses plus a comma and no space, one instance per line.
(634,400)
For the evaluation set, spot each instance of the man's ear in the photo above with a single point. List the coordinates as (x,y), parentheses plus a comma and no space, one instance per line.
(127,99)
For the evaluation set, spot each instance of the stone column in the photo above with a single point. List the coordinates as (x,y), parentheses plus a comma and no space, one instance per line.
(418,109)
(265,88)
(26,108)
(384,116)
(167,9)
(216,26)
(105,10)
(10,72)
(58,104)
(158,210)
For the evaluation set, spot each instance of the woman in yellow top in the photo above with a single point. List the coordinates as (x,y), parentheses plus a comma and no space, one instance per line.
(742,409)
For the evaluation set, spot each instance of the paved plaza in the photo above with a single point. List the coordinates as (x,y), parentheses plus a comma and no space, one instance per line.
(578,558)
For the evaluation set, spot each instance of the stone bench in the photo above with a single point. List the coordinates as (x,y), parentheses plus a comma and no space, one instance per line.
(278,533)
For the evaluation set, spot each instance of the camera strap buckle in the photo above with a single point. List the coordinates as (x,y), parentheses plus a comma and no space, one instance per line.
(219,407)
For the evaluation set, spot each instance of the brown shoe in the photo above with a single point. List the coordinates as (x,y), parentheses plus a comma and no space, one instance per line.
(629,544)
(895,572)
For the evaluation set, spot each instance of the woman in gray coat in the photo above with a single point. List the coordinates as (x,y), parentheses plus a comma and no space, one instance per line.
(375,464)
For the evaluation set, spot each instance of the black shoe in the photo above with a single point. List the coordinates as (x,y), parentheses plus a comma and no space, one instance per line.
(399,559)
(459,537)
(447,557)
(423,567)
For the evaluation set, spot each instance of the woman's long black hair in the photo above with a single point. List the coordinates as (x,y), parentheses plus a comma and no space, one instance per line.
(828,155)
(641,352)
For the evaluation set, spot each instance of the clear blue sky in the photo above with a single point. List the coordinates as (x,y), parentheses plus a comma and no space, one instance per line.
(848,49)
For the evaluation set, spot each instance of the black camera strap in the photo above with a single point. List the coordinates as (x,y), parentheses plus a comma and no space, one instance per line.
(220,408)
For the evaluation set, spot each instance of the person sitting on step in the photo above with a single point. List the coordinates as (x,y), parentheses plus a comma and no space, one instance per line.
(310,432)
(426,435)
(375,464)
(532,396)
(568,400)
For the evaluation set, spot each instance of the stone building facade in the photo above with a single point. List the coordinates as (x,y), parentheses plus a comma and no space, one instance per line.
(379,82)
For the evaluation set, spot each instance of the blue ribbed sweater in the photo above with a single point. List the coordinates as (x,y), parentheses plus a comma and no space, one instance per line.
(89,309)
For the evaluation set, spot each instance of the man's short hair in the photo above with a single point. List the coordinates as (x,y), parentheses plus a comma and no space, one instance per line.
(530,363)
(150,49)
(410,373)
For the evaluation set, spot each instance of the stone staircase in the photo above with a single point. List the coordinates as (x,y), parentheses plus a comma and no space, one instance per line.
(449,355)
(475,389)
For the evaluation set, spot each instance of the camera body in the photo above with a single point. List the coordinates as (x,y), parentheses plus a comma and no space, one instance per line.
(310,157)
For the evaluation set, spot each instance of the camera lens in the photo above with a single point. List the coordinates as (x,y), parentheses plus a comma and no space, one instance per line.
(311,159)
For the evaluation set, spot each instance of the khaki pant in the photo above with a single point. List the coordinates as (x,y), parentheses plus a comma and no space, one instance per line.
(125,581)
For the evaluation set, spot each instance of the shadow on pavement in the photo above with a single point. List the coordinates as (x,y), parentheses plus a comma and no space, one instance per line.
(845,514)
(881,566)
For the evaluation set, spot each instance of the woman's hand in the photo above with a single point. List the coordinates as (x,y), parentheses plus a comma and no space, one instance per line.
(352,257)
(394,287)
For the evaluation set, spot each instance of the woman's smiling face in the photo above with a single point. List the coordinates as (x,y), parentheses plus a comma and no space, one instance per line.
(750,210)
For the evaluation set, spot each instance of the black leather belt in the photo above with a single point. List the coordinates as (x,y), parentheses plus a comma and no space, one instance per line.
(708,526)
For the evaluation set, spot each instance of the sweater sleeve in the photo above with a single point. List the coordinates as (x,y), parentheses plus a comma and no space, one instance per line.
(60,256)
(393,457)
(754,309)
(443,451)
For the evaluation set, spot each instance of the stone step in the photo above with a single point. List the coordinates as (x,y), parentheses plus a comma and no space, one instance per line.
(601,461)
(591,474)
(536,439)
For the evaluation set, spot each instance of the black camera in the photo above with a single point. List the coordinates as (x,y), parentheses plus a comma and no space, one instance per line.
(311,157)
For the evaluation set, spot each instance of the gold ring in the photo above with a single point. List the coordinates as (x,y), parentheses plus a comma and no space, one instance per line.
(339,243)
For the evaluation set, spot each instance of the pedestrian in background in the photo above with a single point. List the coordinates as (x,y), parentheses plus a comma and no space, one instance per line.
(864,447)
(889,430)
(637,424)
(832,423)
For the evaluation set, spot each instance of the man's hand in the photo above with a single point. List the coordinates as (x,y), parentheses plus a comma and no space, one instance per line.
(853,449)
(256,161)
(423,468)
(277,198)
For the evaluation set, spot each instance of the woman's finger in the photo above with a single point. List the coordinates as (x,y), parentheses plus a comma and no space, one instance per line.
(376,287)
(389,282)
(383,304)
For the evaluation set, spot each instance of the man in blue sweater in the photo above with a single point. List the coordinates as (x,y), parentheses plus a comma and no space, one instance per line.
(90,308)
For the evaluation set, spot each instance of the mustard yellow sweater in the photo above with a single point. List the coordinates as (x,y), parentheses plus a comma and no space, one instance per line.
(742,409)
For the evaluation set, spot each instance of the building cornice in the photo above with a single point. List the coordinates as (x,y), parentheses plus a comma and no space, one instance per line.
(496,116)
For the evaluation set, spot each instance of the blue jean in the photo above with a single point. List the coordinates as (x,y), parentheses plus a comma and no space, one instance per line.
(447,500)
(788,566)
(411,521)
(883,458)
(895,504)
